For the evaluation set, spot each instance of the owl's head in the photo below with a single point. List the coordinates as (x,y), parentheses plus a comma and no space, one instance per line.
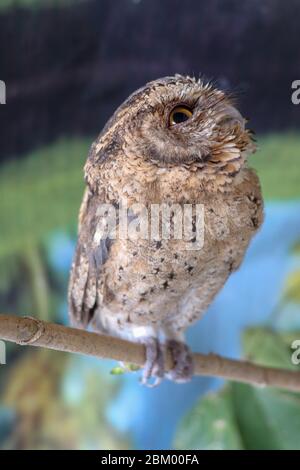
(180,121)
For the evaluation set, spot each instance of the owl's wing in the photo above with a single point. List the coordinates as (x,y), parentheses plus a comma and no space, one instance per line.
(91,253)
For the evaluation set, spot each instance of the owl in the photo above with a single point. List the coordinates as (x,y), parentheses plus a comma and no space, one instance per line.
(177,143)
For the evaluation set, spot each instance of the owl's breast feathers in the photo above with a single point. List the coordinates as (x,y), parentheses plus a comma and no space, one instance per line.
(118,282)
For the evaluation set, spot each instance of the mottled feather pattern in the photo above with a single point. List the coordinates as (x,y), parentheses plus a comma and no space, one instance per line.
(121,285)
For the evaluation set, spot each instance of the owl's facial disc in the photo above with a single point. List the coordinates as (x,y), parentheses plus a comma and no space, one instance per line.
(206,129)
(181,121)
(172,122)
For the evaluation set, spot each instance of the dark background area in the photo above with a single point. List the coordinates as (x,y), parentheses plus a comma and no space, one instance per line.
(66,69)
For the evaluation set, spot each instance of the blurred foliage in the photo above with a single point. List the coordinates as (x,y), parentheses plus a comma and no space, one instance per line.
(267,347)
(277,164)
(123,369)
(40,194)
(210,425)
(7,422)
(31,390)
(292,287)
(289,301)
(26,283)
(88,391)
(296,249)
(46,414)
(244,417)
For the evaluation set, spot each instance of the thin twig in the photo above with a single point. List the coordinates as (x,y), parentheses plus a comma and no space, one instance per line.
(31,331)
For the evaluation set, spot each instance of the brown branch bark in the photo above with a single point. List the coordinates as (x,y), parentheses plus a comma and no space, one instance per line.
(31,331)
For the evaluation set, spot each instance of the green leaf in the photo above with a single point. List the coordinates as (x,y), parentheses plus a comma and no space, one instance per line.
(244,417)
(267,347)
(267,419)
(117,370)
(210,425)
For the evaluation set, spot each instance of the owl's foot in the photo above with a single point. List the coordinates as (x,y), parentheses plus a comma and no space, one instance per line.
(183,369)
(154,365)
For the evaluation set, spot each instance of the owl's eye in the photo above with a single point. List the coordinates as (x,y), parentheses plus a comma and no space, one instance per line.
(180,114)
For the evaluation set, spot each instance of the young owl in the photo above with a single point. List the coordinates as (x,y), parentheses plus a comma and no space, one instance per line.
(176,142)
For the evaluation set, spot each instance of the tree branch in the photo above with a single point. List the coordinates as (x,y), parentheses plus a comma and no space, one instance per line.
(31,331)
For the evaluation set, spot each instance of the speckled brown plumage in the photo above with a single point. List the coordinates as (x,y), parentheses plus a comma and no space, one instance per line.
(149,287)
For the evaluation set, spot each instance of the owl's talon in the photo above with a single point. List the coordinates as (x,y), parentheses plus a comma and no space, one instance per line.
(154,365)
(183,369)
